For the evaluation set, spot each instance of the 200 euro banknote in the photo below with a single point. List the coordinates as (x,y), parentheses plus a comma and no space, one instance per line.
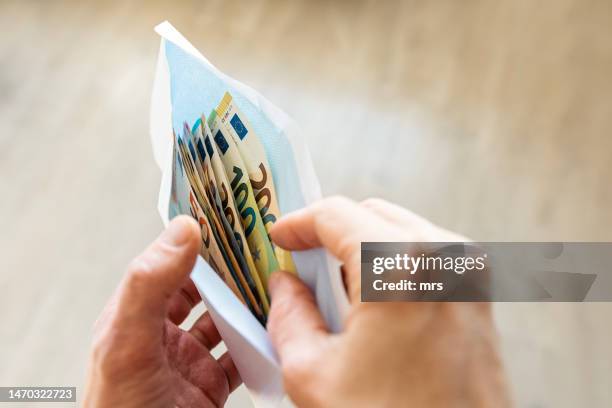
(187,85)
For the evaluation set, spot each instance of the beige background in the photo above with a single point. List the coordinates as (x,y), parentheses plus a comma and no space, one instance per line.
(490,118)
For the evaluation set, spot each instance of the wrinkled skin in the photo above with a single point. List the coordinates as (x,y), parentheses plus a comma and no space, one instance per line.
(390,354)
(140,357)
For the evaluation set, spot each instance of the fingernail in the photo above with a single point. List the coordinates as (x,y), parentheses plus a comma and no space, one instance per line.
(177,233)
(274,234)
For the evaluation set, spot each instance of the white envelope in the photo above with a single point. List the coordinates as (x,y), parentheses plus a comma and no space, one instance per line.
(186,86)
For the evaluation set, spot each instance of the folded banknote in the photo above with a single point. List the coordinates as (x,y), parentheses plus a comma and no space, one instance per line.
(236,163)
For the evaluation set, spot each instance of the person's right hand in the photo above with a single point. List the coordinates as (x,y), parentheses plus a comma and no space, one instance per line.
(389,354)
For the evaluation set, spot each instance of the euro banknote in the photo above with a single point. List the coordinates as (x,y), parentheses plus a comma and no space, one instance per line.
(254,157)
(204,193)
(249,281)
(244,198)
(225,210)
(207,149)
(185,203)
(223,166)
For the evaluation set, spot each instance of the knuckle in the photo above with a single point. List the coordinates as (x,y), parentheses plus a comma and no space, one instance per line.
(334,201)
(156,256)
(349,248)
(139,272)
(138,268)
(331,207)
(374,202)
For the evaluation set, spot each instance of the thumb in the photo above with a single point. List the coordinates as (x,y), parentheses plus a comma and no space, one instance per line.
(295,325)
(158,272)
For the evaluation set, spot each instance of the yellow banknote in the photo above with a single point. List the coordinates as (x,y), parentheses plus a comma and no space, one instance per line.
(244,198)
(254,157)
(210,250)
(203,196)
(207,149)
(224,199)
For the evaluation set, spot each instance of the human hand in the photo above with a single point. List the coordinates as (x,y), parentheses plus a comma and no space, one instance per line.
(140,357)
(389,354)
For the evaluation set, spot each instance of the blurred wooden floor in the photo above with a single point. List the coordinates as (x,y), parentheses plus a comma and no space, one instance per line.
(491,118)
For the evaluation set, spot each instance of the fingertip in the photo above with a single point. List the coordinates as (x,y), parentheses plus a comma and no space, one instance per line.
(188,223)
(291,232)
(170,257)
(274,230)
(195,233)
(187,229)
(280,227)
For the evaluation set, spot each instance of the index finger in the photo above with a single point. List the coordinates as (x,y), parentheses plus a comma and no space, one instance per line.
(339,225)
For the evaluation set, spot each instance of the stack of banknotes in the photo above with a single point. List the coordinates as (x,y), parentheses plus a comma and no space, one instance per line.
(227,186)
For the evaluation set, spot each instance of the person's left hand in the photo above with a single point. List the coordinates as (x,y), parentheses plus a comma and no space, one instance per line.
(140,357)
